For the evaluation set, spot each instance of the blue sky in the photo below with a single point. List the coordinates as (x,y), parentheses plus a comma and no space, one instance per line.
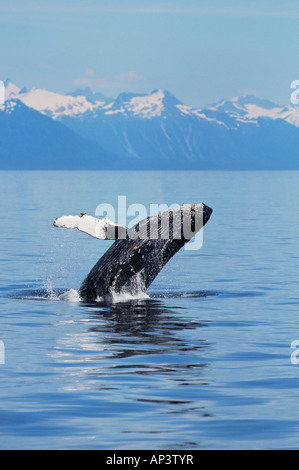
(201,51)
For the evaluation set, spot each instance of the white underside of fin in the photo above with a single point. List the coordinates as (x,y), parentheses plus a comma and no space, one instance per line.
(93,226)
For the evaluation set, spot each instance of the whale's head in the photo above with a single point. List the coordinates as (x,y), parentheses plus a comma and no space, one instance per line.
(181,223)
(200,212)
(187,220)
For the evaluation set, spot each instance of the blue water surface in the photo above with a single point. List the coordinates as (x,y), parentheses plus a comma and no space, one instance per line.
(203,363)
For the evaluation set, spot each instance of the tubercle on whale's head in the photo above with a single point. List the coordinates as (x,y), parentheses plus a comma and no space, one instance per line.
(199,210)
(207,212)
(196,216)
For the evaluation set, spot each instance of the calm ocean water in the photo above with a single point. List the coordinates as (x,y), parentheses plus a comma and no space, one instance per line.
(204,363)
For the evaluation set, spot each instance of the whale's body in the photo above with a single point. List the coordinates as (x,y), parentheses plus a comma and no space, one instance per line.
(138,254)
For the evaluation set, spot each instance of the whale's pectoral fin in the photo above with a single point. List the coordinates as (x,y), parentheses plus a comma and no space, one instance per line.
(103,229)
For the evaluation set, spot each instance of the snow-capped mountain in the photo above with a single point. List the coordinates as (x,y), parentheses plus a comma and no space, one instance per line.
(31,140)
(250,108)
(157,131)
(156,104)
(84,101)
(52,104)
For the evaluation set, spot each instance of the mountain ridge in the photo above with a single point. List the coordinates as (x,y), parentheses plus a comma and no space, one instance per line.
(158,131)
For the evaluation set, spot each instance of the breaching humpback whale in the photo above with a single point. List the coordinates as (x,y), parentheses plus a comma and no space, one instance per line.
(139,253)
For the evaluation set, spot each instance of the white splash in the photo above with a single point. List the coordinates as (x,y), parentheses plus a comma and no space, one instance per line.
(133,290)
(71,295)
(114,297)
